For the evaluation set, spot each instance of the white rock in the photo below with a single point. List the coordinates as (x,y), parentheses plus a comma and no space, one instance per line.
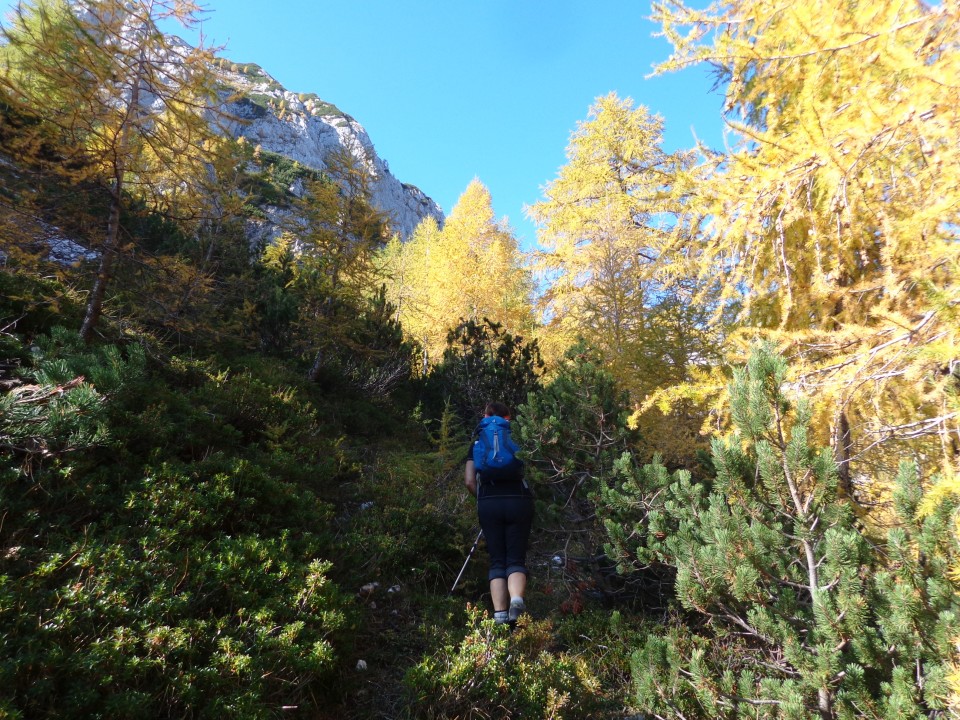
(369,588)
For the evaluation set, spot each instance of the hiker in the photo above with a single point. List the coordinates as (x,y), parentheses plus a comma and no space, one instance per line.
(494,475)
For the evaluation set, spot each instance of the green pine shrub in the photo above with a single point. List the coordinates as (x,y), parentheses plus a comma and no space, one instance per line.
(575,428)
(605,639)
(58,404)
(411,525)
(481,363)
(571,434)
(267,181)
(178,564)
(915,598)
(31,305)
(789,610)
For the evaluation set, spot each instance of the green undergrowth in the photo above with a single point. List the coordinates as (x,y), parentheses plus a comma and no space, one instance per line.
(270,179)
(216,537)
(544,668)
(428,653)
(167,539)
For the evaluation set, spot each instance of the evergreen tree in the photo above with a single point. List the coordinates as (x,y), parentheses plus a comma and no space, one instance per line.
(482,362)
(276,304)
(796,615)
(375,358)
(575,428)
(572,434)
(914,595)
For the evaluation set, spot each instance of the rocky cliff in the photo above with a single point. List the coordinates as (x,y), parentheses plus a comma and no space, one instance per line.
(306,129)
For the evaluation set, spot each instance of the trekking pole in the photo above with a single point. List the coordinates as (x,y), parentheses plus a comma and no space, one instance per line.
(469,555)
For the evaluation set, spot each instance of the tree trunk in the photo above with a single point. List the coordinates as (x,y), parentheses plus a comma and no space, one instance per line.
(842,443)
(107,257)
(824,704)
(119,169)
(314,373)
(810,551)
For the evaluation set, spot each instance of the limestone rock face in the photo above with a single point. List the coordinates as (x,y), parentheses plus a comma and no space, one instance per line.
(306,129)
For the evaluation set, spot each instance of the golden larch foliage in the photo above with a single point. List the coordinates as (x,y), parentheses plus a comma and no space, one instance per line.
(833,222)
(470,269)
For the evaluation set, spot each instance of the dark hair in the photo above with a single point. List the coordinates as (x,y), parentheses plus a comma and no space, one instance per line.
(497,408)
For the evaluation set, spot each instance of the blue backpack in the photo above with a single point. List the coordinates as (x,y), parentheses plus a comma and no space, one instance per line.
(494,452)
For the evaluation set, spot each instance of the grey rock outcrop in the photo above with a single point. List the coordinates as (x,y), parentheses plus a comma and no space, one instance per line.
(306,129)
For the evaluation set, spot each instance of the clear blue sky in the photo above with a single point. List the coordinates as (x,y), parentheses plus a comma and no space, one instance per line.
(449,90)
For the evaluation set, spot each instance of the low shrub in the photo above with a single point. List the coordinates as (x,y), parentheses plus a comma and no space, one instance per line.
(496,673)
(199,591)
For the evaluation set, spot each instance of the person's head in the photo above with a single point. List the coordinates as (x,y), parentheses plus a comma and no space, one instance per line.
(497,408)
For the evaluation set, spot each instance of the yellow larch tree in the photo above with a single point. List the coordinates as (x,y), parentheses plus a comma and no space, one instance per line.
(340,237)
(115,100)
(400,267)
(415,277)
(598,226)
(470,269)
(492,281)
(833,222)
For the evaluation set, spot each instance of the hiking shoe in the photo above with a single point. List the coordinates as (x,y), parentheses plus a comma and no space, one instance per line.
(501,617)
(517,608)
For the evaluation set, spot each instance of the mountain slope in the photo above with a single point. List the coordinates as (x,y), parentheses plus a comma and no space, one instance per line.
(306,129)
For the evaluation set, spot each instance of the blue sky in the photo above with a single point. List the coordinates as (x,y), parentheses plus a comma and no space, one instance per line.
(449,90)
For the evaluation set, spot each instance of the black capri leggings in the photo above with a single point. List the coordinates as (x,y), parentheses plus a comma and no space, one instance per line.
(506,522)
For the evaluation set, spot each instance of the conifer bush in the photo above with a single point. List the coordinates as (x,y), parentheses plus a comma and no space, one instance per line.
(38,303)
(572,434)
(198,590)
(790,610)
(575,428)
(411,523)
(482,362)
(58,404)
